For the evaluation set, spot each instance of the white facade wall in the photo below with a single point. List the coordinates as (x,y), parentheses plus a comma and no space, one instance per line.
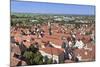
(54,45)
(55,57)
(61,57)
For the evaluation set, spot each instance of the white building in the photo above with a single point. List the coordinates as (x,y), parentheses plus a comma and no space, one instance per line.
(79,44)
(55,54)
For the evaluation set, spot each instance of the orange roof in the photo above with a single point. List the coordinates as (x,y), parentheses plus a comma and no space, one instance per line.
(26,37)
(55,38)
(39,41)
(14,61)
(85,54)
(15,49)
(18,39)
(86,38)
(78,36)
(52,51)
(27,44)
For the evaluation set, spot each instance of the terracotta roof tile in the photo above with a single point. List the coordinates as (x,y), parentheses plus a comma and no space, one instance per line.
(18,39)
(52,51)
(15,49)
(85,54)
(13,61)
(27,44)
(87,38)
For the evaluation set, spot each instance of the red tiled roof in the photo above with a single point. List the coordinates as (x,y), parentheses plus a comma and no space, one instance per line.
(86,38)
(39,41)
(55,38)
(85,54)
(78,36)
(27,44)
(14,61)
(18,39)
(52,51)
(26,37)
(15,49)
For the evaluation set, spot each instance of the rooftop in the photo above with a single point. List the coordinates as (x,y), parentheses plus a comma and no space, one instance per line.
(52,51)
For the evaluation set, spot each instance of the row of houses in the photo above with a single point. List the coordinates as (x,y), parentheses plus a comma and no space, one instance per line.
(52,46)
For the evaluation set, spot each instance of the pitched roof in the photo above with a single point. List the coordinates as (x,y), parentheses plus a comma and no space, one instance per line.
(14,61)
(87,38)
(52,51)
(85,54)
(55,38)
(15,49)
(27,44)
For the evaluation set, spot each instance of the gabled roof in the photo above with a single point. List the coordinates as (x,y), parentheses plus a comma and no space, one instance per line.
(52,51)
(86,54)
(15,49)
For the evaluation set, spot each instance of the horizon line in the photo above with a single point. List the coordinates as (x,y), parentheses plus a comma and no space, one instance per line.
(51,13)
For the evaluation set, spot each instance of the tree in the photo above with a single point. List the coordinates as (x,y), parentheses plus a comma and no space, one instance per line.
(34,49)
(50,61)
(38,58)
(33,56)
(47,60)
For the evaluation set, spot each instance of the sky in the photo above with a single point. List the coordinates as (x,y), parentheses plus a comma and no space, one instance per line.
(51,8)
